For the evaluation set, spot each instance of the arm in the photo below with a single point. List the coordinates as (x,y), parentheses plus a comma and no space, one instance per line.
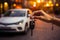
(53,20)
(48,18)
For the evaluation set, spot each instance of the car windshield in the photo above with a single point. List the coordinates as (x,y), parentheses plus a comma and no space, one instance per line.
(15,13)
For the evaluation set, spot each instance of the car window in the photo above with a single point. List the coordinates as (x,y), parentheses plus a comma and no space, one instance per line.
(15,13)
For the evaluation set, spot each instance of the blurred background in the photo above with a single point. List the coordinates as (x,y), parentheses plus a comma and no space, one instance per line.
(49,6)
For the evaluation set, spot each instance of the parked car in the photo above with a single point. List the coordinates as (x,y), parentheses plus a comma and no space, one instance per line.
(15,20)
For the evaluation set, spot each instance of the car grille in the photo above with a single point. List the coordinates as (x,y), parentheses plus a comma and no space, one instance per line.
(7,30)
(8,23)
(2,29)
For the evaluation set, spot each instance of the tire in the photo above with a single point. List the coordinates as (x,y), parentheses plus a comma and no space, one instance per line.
(26,29)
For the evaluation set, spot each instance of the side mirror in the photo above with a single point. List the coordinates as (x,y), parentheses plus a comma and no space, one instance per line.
(28,15)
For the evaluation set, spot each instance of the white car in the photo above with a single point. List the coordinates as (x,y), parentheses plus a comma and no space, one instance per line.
(15,20)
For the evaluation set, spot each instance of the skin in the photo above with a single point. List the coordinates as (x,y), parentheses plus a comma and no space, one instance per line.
(48,18)
(55,21)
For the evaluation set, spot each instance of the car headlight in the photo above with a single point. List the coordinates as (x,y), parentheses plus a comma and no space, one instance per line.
(20,23)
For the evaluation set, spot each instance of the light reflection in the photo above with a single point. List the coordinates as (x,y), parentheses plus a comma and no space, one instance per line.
(34,5)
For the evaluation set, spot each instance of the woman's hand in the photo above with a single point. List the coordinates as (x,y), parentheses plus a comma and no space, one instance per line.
(45,16)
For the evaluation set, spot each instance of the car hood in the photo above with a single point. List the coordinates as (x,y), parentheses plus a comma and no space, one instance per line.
(11,19)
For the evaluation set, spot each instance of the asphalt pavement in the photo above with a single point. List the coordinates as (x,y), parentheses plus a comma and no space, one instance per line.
(42,31)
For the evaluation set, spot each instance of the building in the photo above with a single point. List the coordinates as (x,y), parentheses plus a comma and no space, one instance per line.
(10,4)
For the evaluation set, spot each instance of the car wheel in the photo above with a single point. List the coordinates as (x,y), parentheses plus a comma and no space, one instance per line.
(26,28)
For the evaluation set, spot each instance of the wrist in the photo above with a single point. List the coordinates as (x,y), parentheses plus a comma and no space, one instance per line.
(53,19)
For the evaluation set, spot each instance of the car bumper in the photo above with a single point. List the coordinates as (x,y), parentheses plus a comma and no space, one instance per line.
(11,29)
